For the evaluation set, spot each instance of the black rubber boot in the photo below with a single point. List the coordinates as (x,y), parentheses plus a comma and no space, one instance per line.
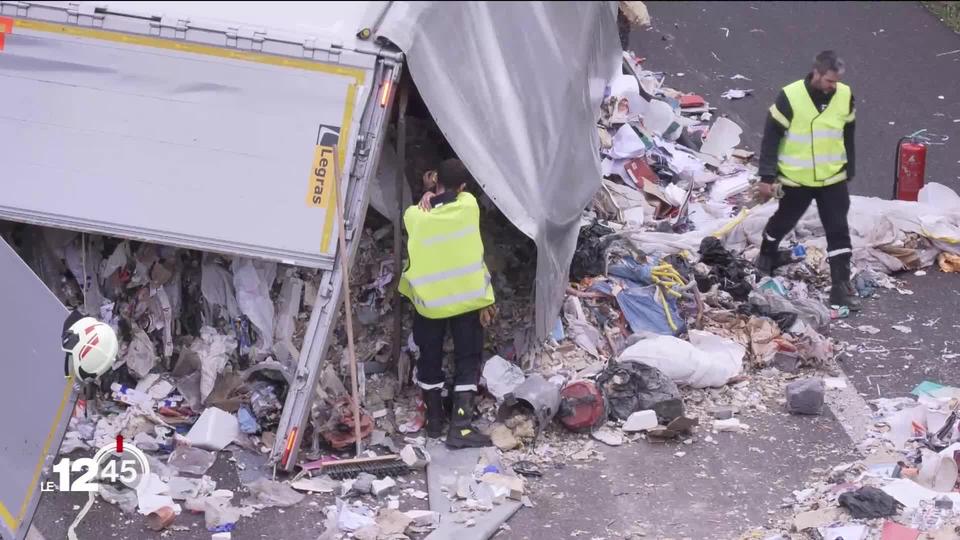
(434,401)
(767,263)
(462,434)
(842,292)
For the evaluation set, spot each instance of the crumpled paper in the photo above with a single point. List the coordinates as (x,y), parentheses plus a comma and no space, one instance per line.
(140,355)
(949,262)
(214,350)
(252,280)
(763,333)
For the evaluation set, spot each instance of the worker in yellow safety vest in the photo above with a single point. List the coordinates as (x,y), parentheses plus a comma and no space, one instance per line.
(808,146)
(449,286)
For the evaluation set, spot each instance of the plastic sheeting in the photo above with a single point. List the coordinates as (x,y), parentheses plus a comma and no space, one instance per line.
(516,89)
(642,307)
(875,225)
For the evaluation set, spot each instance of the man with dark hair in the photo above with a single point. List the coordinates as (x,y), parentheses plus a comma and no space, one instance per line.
(449,285)
(808,147)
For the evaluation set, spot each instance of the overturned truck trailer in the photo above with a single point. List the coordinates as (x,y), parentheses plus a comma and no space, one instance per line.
(178,130)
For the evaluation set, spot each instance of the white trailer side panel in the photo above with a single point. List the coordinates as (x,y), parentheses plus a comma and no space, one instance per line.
(36,400)
(172,141)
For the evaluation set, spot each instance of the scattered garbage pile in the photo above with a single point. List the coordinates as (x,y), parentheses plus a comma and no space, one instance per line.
(668,329)
(208,347)
(904,487)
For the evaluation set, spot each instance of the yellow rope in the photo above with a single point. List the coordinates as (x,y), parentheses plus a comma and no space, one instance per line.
(666,277)
(723,231)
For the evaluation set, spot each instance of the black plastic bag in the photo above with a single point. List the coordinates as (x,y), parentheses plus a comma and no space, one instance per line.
(589,258)
(868,503)
(728,271)
(631,386)
(784,319)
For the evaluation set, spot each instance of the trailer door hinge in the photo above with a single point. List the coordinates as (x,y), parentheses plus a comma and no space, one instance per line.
(84,15)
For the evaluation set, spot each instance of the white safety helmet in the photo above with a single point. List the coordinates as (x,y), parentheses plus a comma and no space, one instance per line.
(91,348)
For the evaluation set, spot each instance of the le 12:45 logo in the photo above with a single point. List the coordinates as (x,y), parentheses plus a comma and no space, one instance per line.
(113,463)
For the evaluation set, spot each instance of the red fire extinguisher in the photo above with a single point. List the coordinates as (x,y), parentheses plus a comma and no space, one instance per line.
(911,162)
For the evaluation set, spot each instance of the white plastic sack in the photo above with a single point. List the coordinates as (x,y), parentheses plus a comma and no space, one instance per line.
(874,224)
(707,360)
(939,196)
(944,232)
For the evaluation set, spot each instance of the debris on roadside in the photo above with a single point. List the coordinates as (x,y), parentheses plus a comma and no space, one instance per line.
(736,93)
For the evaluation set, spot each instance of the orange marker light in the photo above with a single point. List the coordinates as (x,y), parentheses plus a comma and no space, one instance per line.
(290,442)
(385,92)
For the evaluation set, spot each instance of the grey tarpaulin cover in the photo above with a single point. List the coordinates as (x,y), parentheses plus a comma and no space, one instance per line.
(516,89)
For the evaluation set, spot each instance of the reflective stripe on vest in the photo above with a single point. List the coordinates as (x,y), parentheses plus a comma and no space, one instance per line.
(812,152)
(446,237)
(451,299)
(446,276)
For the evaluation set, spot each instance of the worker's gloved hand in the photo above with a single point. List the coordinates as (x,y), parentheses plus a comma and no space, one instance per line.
(766,190)
(487,315)
(425,203)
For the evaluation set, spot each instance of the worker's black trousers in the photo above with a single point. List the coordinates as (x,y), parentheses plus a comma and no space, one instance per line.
(429,335)
(833,204)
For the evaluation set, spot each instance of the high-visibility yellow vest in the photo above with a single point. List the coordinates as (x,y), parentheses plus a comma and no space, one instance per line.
(812,152)
(446,275)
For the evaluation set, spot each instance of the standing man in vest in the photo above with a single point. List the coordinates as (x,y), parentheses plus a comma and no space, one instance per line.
(808,146)
(449,285)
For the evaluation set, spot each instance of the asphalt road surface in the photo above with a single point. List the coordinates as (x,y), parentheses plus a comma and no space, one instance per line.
(891,49)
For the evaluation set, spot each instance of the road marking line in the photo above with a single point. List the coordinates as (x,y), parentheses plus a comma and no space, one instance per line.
(851,410)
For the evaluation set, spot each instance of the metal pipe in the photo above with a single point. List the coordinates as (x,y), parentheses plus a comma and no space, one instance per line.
(347,308)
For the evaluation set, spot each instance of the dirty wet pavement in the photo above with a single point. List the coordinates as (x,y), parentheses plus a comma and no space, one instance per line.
(719,480)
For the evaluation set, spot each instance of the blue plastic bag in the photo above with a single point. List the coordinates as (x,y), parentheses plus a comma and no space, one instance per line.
(248,422)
